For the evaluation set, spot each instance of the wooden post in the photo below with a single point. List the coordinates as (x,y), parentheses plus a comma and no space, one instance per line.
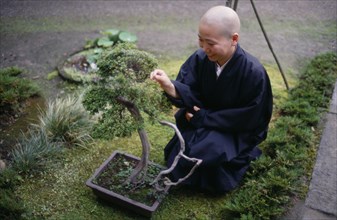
(269,45)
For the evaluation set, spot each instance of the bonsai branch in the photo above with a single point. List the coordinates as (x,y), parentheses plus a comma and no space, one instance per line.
(167,181)
(141,167)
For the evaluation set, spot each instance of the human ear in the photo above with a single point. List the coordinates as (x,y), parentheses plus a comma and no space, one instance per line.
(235,39)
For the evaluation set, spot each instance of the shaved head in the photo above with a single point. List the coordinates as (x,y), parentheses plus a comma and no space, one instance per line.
(225,20)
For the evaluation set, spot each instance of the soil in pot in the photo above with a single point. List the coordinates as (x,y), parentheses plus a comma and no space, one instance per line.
(117,171)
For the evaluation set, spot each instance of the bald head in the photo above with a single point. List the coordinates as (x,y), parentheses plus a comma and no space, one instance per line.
(223,18)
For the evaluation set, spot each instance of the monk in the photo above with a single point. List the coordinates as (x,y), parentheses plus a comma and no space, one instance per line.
(225,104)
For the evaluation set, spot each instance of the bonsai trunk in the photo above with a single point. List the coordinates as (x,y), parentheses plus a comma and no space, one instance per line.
(141,167)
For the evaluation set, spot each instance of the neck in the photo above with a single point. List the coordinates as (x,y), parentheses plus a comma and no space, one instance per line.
(223,61)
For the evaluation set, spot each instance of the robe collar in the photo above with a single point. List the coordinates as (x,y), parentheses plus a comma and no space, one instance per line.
(229,64)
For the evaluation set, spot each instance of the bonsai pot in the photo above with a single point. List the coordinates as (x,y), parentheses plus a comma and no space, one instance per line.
(110,177)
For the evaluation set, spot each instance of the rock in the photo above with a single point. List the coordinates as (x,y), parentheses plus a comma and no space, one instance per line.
(2,165)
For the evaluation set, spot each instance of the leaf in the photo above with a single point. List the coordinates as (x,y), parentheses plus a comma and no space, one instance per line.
(112,34)
(127,37)
(104,42)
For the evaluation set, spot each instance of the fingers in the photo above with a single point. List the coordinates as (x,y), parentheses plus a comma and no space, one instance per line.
(157,73)
(196,108)
(188,116)
(160,77)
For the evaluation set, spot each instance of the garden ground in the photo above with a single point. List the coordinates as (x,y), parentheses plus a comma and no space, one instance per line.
(37,35)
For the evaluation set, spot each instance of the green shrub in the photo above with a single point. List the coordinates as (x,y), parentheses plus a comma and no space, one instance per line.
(32,153)
(302,110)
(11,207)
(66,121)
(10,71)
(290,129)
(14,90)
(257,197)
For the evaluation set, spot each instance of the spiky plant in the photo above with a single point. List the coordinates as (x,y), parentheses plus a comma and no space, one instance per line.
(33,151)
(65,120)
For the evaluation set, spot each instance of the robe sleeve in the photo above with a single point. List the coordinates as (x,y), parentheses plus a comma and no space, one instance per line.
(254,115)
(187,86)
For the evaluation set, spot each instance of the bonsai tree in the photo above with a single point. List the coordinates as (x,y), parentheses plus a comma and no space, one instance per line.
(122,94)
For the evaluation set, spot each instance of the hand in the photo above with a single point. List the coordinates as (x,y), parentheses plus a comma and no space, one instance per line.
(161,77)
(164,81)
(189,115)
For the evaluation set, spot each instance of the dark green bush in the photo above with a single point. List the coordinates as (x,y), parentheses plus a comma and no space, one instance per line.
(14,90)
(278,175)
(10,71)
(11,207)
(301,109)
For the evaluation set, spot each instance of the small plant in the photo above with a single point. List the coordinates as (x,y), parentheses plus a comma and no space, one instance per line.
(66,121)
(11,206)
(33,151)
(110,38)
(14,90)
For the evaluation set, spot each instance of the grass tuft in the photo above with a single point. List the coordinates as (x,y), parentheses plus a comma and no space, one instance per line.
(33,152)
(66,121)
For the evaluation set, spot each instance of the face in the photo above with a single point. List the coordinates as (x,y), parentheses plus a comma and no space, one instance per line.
(217,47)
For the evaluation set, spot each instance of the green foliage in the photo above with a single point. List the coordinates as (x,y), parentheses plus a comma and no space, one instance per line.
(104,42)
(33,151)
(66,121)
(124,72)
(11,206)
(301,109)
(10,71)
(115,174)
(257,197)
(112,34)
(127,61)
(14,90)
(52,75)
(127,37)
(110,38)
(273,178)
(288,130)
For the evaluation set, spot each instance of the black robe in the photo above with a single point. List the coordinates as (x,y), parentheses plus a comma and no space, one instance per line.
(235,112)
